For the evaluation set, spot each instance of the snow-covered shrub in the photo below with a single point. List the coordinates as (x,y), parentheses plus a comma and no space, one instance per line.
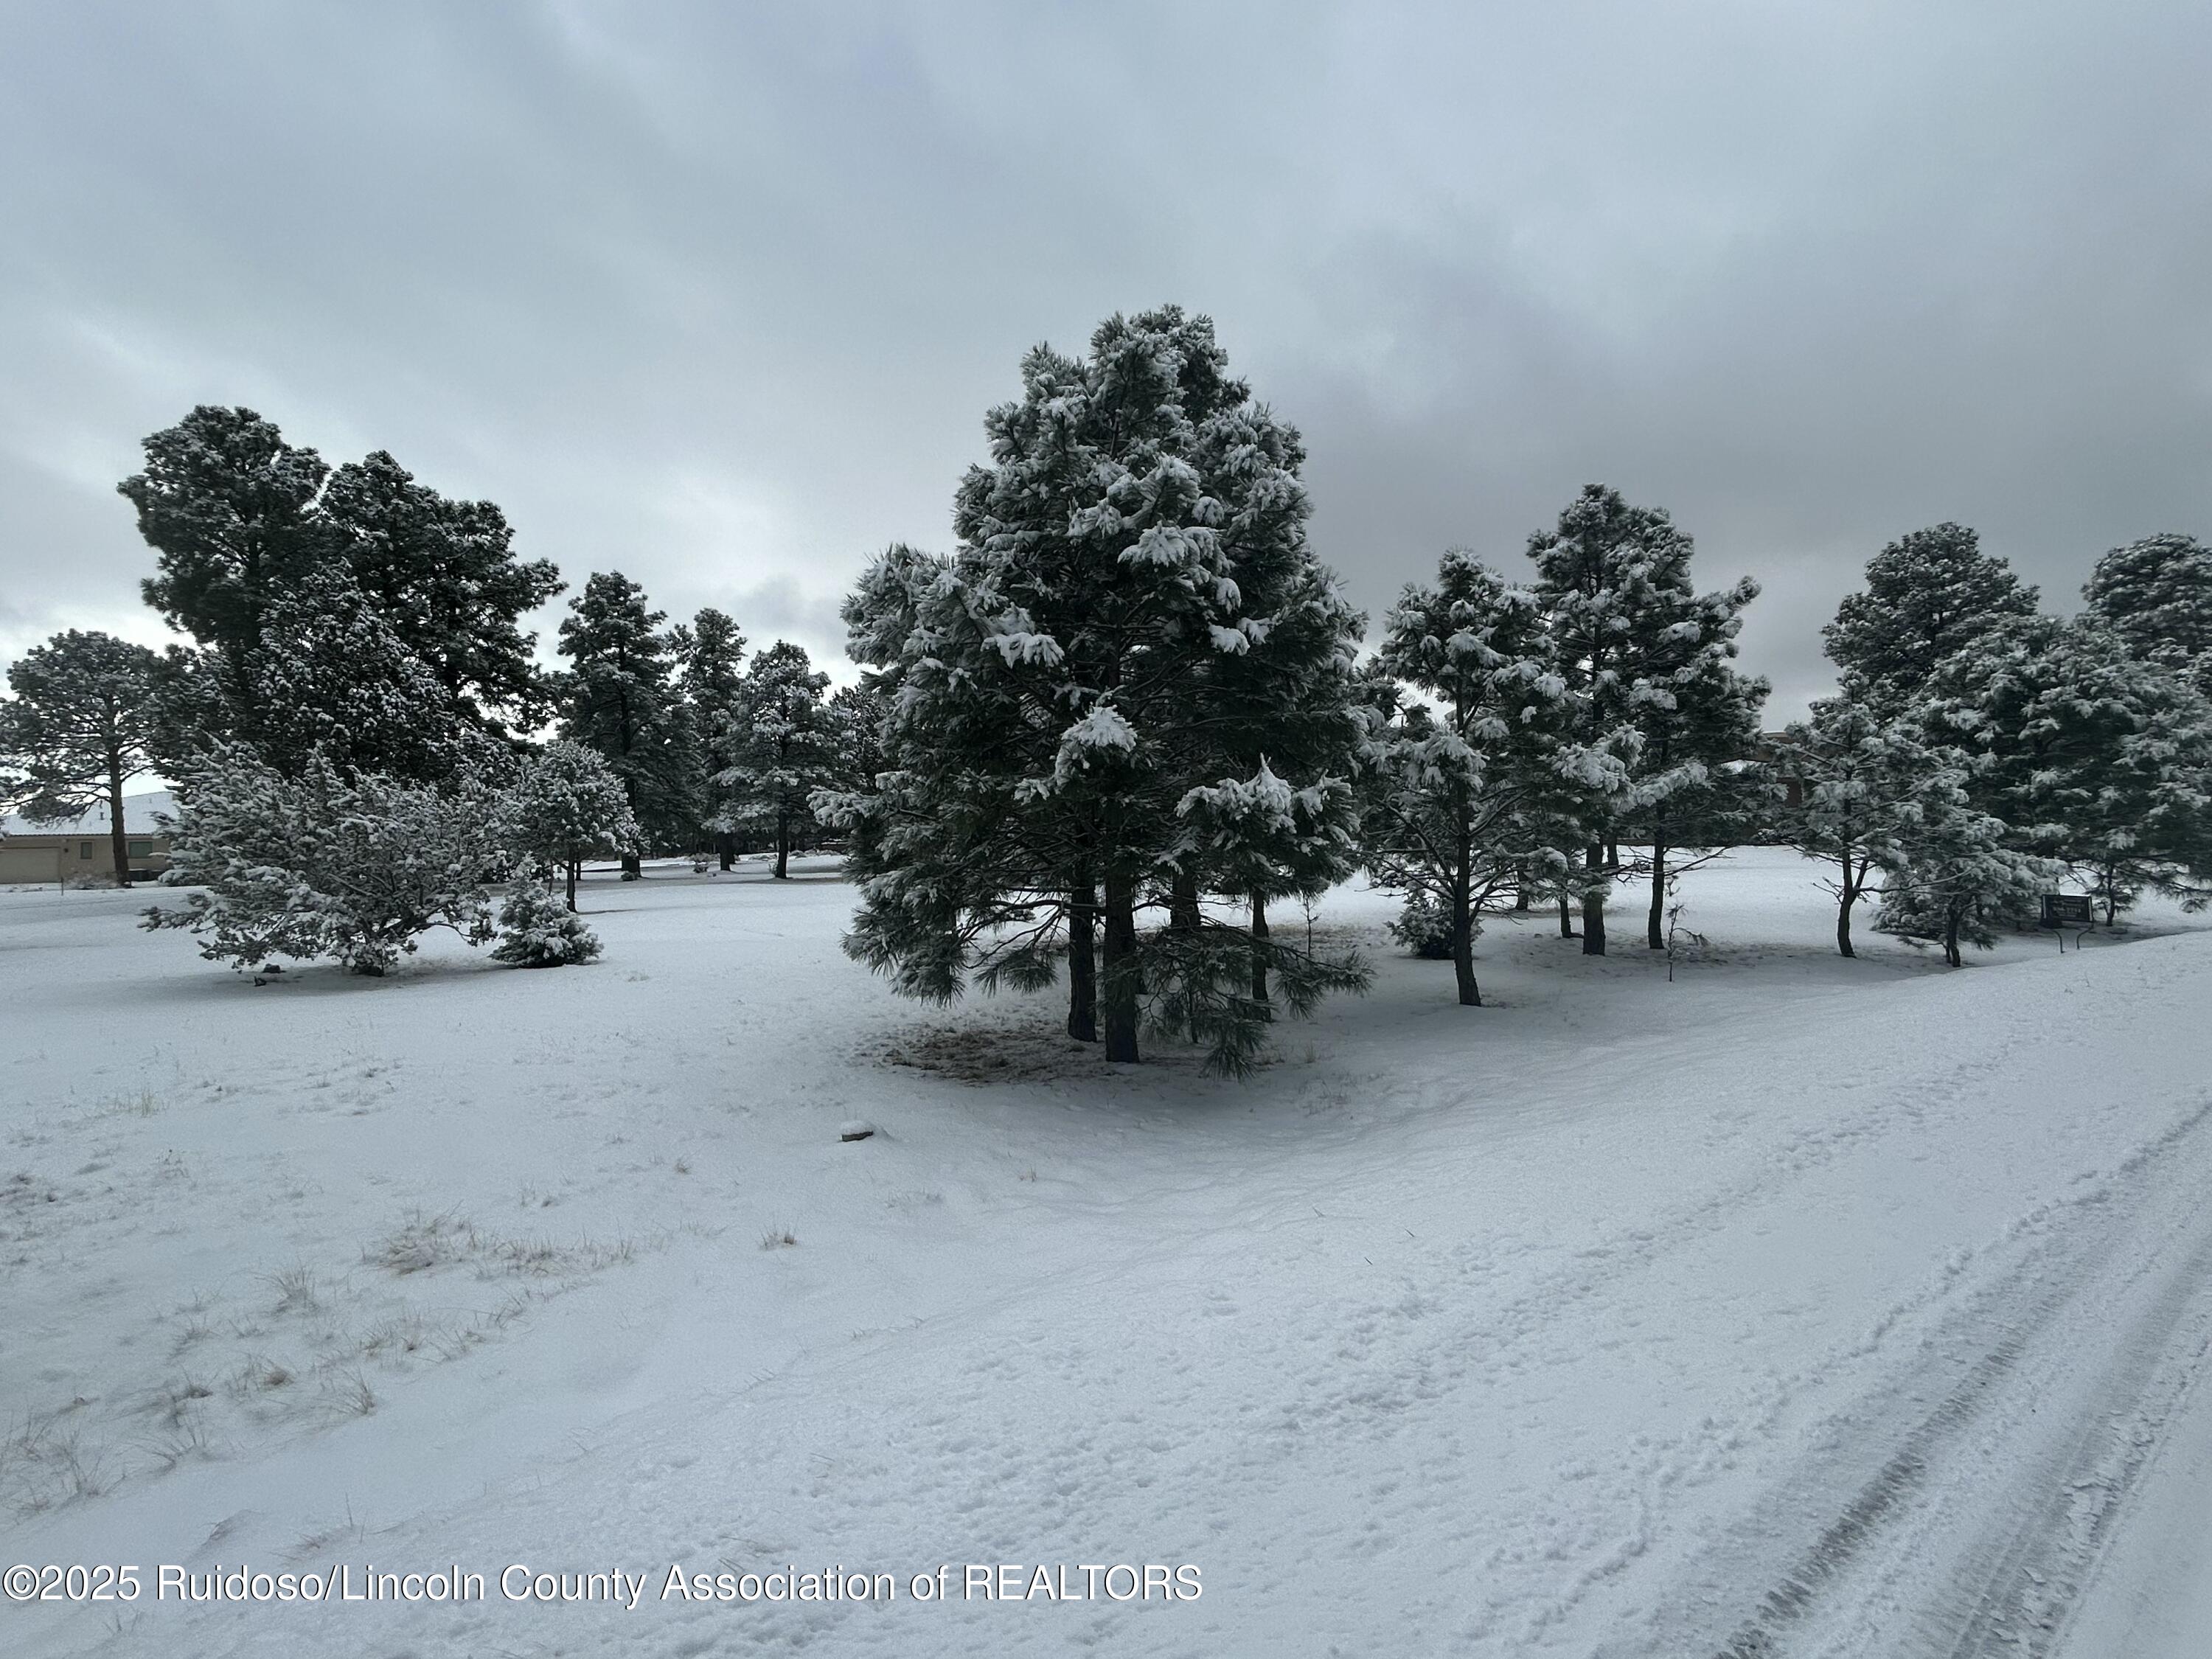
(536,929)
(1423,926)
(327,864)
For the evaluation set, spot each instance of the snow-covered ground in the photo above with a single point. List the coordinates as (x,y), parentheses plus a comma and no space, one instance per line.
(1796,1306)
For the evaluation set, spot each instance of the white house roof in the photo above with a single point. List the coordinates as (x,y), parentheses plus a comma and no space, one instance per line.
(138,815)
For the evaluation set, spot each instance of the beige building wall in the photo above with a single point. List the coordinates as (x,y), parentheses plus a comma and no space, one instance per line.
(21,863)
(57,858)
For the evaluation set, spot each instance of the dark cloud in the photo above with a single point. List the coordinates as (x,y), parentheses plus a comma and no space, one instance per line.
(717,296)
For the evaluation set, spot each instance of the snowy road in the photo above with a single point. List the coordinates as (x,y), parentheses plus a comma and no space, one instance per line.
(2039,1407)
(1797,1308)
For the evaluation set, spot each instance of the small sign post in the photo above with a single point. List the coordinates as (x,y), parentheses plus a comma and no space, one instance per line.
(2064,910)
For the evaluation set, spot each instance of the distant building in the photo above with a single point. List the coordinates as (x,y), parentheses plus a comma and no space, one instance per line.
(1773,746)
(55,851)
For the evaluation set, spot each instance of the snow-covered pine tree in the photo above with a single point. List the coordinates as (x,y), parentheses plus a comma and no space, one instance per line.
(779,750)
(230,510)
(192,707)
(618,697)
(1049,687)
(1453,783)
(1285,726)
(853,737)
(442,576)
(1927,594)
(1950,877)
(1861,778)
(2156,594)
(77,729)
(330,676)
(1655,707)
(565,803)
(710,657)
(323,862)
(2092,755)
(536,930)
(955,883)
(1700,787)
(1581,784)
(853,757)
(245,526)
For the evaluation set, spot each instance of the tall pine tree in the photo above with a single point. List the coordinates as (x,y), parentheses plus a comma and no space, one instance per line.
(710,657)
(1058,699)
(78,729)
(1455,781)
(1863,780)
(1702,791)
(618,697)
(248,528)
(853,737)
(1644,660)
(779,749)
(1285,711)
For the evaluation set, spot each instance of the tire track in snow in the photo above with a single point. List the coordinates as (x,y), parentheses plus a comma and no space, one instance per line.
(2014,1591)
(2036,1577)
(1395,1357)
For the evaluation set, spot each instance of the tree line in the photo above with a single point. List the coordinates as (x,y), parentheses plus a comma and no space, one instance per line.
(1127,718)
(1128,713)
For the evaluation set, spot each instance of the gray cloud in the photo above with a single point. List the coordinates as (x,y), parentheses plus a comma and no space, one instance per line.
(717,296)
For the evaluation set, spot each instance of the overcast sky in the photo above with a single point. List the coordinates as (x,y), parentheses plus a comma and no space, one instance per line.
(717,294)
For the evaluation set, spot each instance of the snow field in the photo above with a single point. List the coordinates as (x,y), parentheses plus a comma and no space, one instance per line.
(1619,1317)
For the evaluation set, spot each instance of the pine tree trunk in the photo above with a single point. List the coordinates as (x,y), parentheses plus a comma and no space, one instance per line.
(725,849)
(1566,918)
(782,846)
(1655,926)
(1259,952)
(1848,898)
(1521,889)
(1594,904)
(1183,915)
(632,870)
(118,843)
(1083,963)
(574,864)
(1462,935)
(1951,937)
(1121,965)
